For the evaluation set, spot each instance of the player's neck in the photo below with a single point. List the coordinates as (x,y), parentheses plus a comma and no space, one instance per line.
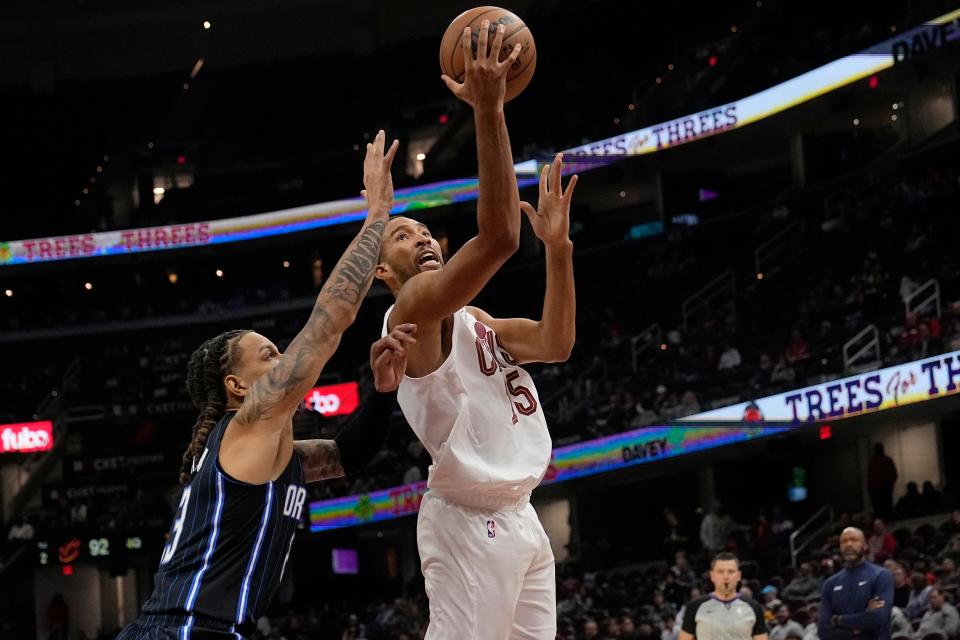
(725,596)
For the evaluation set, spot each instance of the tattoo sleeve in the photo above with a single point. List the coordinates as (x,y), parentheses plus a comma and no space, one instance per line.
(282,388)
(320,459)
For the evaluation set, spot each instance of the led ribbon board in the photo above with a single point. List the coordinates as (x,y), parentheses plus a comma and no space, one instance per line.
(896,386)
(931,35)
(845,398)
(582,459)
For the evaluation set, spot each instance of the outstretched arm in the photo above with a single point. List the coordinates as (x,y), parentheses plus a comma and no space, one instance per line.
(366,432)
(431,296)
(550,339)
(275,396)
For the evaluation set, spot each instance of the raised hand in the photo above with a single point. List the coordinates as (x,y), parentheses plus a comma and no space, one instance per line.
(377,179)
(388,357)
(485,77)
(551,218)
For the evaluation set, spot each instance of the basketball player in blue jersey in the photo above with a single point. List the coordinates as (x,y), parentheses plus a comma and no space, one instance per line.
(243,474)
(487,563)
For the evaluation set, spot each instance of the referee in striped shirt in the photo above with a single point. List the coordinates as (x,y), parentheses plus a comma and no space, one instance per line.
(723,614)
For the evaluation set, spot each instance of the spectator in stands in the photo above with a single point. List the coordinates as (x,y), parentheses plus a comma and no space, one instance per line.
(782,372)
(900,626)
(947,575)
(695,593)
(770,599)
(660,605)
(810,631)
(930,499)
(804,585)
(590,629)
(670,632)
(645,631)
(673,593)
(901,586)
(785,626)
(881,478)
(729,359)
(952,526)
(20,531)
(919,596)
(674,542)
(941,618)
(796,350)
(782,526)
(686,577)
(354,630)
(881,544)
(715,529)
(612,630)
(689,405)
(910,505)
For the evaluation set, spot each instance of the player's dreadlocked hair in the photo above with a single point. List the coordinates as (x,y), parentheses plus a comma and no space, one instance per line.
(208,364)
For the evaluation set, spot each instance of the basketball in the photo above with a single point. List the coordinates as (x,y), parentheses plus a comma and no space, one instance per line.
(451,57)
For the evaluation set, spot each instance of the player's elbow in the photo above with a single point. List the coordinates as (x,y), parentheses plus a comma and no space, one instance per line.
(559,352)
(342,318)
(500,242)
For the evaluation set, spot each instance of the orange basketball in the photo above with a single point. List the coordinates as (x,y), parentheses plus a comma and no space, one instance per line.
(451,56)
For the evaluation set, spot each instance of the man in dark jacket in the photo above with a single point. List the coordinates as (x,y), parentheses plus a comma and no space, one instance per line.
(856,602)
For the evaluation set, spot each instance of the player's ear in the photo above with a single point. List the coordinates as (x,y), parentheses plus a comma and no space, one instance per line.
(235,385)
(381,271)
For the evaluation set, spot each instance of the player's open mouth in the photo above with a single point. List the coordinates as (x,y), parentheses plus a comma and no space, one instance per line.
(428,259)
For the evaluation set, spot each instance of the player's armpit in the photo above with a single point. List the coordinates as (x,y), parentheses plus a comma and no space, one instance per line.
(524,339)
(320,459)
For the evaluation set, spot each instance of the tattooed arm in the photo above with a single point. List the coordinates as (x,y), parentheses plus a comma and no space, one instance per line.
(259,438)
(279,392)
(366,432)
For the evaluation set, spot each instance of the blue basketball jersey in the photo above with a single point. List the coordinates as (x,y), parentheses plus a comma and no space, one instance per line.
(229,543)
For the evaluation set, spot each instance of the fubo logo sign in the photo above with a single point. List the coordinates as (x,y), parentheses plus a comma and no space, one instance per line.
(333,400)
(26,437)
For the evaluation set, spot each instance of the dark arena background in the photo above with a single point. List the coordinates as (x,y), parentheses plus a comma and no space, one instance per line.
(765,246)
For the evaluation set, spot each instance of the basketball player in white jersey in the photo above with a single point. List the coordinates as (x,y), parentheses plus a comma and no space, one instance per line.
(487,562)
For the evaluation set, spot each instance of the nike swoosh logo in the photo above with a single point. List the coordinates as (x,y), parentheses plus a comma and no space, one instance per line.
(862,582)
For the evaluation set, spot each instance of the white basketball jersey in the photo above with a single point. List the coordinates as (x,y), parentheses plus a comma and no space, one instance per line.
(479,416)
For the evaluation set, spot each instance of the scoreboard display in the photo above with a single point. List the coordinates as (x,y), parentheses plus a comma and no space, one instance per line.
(70,550)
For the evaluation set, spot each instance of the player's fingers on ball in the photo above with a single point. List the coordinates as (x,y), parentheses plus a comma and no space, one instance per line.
(465,44)
(513,55)
(497,43)
(483,40)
